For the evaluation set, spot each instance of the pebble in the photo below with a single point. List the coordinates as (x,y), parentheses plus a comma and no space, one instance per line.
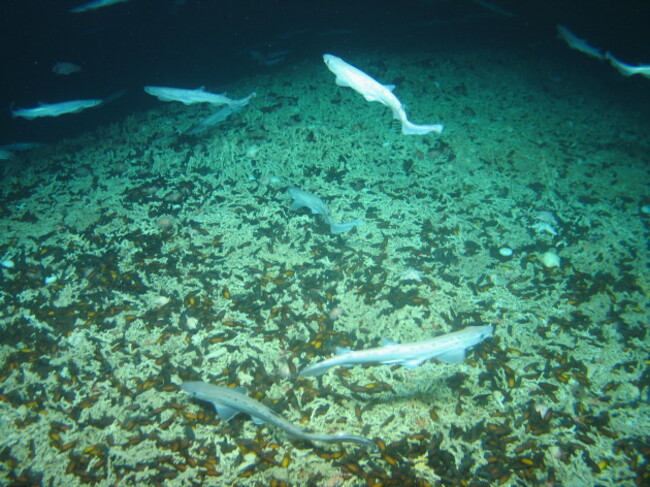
(506,251)
(50,280)
(550,259)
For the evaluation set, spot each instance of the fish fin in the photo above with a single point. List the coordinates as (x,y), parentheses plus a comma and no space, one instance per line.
(453,356)
(387,341)
(389,87)
(411,364)
(295,206)
(341,82)
(258,421)
(224,412)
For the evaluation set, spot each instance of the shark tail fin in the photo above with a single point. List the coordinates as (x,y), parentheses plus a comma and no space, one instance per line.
(409,128)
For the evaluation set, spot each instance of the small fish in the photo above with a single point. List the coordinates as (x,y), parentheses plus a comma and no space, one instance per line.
(448,348)
(188,97)
(65,69)
(55,109)
(230,402)
(351,77)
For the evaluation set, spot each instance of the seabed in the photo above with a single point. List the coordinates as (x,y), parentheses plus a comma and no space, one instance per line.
(137,257)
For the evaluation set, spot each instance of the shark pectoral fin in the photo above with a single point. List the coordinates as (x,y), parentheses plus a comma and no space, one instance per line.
(453,356)
(411,364)
(389,87)
(258,421)
(387,341)
(224,412)
(342,82)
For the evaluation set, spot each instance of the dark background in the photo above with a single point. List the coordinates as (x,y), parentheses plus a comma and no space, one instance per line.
(204,42)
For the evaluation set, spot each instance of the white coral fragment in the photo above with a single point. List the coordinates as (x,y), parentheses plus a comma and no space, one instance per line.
(411,274)
(544,227)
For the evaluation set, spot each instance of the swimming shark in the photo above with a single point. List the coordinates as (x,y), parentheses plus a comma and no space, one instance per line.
(95,4)
(627,69)
(55,109)
(574,42)
(305,199)
(188,97)
(448,348)
(351,77)
(229,402)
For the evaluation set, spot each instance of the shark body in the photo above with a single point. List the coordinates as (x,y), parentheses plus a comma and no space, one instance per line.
(55,109)
(575,42)
(351,77)
(189,97)
(627,69)
(305,199)
(230,402)
(447,348)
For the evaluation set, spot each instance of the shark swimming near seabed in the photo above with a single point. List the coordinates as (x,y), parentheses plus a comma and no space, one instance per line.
(189,97)
(627,69)
(574,42)
(228,402)
(55,109)
(448,348)
(351,77)
(305,199)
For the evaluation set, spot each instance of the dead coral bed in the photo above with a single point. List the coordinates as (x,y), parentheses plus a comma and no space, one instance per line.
(166,261)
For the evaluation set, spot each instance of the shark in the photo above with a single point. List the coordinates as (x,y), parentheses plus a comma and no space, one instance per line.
(305,199)
(95,4)
(189,97)
(574,42)
(228,402)
(448,348)
(627,69)
(55,109)
(351,77)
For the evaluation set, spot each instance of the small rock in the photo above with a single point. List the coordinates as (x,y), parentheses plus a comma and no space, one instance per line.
(506,251)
